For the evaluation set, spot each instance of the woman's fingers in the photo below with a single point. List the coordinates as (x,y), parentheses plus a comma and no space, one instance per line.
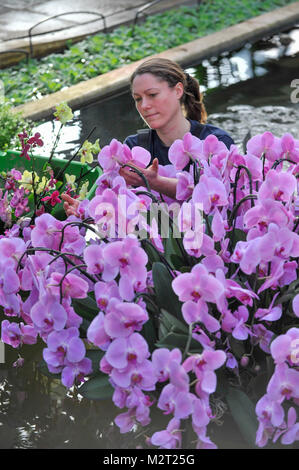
(70,204)
(155,165)
(130,177)
(68,209)
(67,198)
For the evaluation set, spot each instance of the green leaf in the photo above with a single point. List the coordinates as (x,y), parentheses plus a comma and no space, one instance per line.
(149,333)
(293,285)
(258,385)
(43,367)
(284,298)
(165,326)
(185,269)
(84,327)
(173,246)
(174,340)
(166,298)
(163,330)
(173,322)
(97,388)
(95,355)
(239,235)
(237,347)
(58,212)
(176,261)
(151,253)
(243,413)
(222,382)
(87,308)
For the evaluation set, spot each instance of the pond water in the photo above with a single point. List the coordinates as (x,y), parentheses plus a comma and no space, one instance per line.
(37,412)
(252,89)
(249,89)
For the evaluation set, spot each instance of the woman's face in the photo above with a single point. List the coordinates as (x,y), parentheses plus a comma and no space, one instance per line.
(157,103)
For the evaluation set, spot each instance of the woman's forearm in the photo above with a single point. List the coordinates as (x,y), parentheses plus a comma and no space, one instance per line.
(165,186)
(161,184)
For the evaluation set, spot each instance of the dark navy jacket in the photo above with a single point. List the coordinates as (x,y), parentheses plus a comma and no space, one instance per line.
(160,151)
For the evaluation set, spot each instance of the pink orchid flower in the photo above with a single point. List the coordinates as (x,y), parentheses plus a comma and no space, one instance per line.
(290,147)
(185,185)
(285,348)
(278,186)
(170,438)
(111,157)
(213,147)
(136,156)
(182,151)
(198,285)
(266,144)
(211,192)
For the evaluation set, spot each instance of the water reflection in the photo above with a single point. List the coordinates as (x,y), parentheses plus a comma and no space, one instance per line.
(239,120)
(38,412)
(256,75)
(252,60)
(70,136)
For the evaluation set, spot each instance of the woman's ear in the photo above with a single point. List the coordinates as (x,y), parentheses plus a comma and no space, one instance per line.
(179,88)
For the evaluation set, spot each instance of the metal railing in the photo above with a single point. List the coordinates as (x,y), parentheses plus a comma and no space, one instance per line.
(141,11)
(102,17)
(144,7)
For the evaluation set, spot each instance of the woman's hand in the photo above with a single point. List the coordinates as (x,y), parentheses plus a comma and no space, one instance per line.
(158,183)
(150,173)
(70,205)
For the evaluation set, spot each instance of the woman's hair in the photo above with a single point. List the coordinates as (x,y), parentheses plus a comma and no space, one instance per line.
(172,73)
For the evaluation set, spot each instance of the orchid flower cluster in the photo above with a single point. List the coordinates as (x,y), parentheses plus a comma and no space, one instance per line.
(29,192)
(182,323)
(26,192)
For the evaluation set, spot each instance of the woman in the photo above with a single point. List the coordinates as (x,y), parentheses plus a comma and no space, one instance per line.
(170,103)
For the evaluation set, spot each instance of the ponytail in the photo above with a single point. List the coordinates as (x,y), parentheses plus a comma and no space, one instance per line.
(192,100)
(172,73)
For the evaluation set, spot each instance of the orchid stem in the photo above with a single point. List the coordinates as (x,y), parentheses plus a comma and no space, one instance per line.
(62,170)
(188,341)
(140,174)
(55,143)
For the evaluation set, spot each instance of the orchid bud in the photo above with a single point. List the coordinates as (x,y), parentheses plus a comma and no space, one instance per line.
(244,361)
